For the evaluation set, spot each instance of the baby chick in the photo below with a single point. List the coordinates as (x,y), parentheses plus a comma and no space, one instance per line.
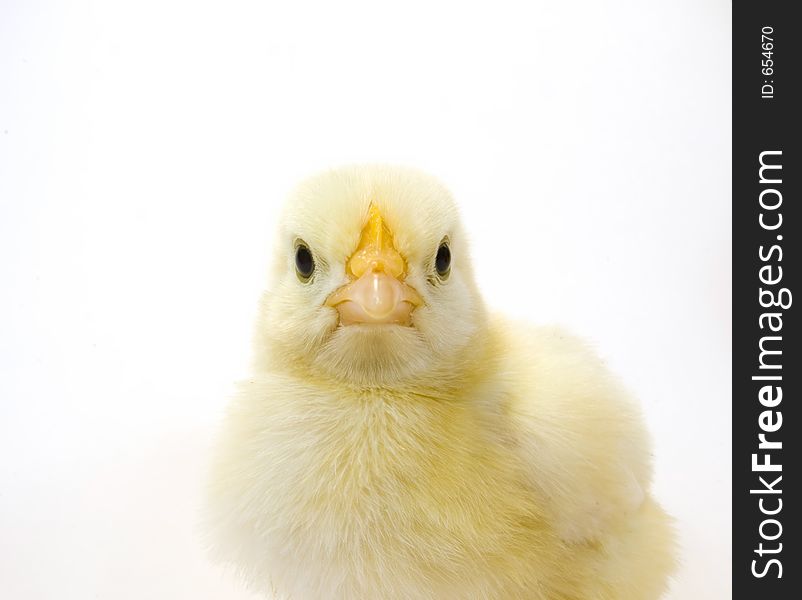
(395,441)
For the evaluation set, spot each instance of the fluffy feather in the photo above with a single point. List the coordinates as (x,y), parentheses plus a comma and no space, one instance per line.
(465,457)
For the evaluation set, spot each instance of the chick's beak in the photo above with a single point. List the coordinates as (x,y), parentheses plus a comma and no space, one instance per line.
(377,293)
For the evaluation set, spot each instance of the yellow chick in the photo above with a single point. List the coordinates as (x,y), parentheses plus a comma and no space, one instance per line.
(397,442)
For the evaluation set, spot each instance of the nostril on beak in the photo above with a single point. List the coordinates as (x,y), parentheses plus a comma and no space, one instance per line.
(376,251)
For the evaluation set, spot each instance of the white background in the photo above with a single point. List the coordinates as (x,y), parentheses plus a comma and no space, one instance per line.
(145,147)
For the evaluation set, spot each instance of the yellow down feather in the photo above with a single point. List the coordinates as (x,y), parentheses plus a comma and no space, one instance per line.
(464,457)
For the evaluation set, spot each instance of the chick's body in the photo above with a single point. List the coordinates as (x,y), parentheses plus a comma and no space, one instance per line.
(457,456)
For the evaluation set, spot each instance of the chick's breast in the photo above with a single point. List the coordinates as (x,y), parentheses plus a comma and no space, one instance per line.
(374,495)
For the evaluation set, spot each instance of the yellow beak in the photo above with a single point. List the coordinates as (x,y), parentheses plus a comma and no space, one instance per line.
(377,293)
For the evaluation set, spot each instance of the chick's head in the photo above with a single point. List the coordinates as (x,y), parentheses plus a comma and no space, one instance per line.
(372,282)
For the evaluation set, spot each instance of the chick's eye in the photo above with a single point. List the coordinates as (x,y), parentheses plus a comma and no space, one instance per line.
(442,261)
(304,263)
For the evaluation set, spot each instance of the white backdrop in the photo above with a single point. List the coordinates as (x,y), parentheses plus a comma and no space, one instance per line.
(144,150)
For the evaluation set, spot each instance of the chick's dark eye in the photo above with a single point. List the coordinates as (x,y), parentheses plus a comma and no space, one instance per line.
(442,261)
(304,263)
